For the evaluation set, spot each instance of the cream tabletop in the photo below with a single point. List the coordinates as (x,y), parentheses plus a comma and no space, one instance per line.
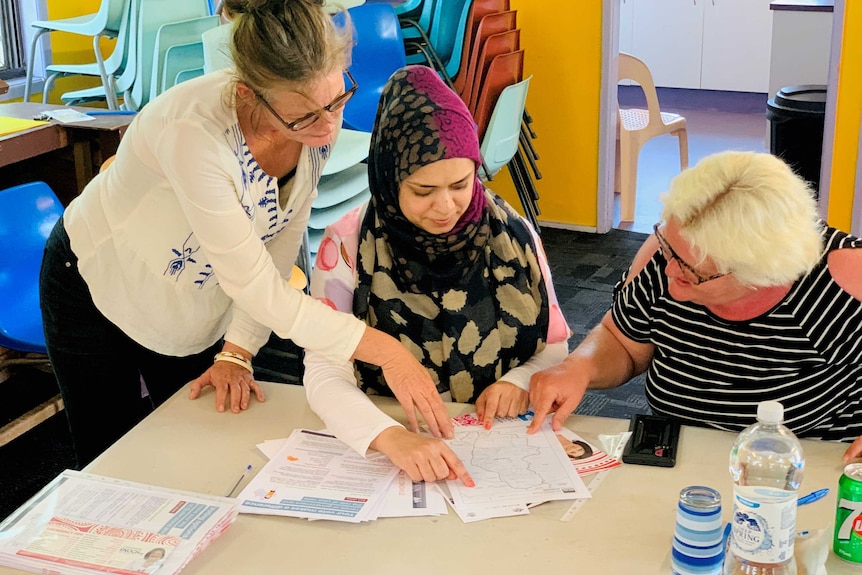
(627,527)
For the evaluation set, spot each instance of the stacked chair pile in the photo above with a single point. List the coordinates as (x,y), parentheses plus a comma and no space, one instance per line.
(475,47)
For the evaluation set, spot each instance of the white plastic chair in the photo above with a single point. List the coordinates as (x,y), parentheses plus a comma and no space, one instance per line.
(637,126)
(216,43)
(105,22)
(112,66)
(122,84)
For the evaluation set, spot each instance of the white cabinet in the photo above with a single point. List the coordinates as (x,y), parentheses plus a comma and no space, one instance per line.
(708,44)
(737,43)
(667,35)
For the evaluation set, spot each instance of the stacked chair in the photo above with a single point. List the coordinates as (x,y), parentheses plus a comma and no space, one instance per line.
(475,47)
(158,45)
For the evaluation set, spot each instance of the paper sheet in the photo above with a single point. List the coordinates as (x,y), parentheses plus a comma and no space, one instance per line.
(317,476)
(12,125)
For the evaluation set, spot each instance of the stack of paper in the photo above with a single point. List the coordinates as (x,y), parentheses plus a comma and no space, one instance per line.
(512,470)
(314,475)
(88,524)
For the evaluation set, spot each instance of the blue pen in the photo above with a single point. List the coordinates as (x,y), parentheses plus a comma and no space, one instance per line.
(813,496)
(112,113)
(238,481)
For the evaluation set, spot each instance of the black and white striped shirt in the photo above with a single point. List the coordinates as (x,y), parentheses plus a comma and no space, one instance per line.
(806,353)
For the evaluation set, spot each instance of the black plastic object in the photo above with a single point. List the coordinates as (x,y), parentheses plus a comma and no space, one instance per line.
(654,441)
(796,117)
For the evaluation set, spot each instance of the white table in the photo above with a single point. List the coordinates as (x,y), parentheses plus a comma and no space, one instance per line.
(626,528)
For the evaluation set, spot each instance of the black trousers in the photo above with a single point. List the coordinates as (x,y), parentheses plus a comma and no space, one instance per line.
(97,366)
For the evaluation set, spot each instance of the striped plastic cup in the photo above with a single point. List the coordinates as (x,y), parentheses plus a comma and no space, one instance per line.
(698,538)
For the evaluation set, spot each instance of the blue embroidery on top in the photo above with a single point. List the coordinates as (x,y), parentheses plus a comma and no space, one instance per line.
(204,276)
(244,159)
(184,257)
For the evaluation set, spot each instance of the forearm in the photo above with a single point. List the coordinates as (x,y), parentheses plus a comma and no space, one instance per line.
(345,410)
(378,348)
(551,355)
(602,358)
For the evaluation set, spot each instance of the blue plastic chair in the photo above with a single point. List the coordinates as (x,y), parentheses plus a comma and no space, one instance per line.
(378,52)
(27,215)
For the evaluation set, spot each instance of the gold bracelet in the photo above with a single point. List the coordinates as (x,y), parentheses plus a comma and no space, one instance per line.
(235,358)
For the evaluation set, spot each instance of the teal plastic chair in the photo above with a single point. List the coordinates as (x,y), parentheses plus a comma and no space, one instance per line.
(152,15)
(183,40)
(440,44)
(28,213)
(111,67)
(500,143)
(104,22)
(186,75)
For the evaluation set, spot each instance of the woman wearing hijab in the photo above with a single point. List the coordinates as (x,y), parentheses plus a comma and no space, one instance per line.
(441,263)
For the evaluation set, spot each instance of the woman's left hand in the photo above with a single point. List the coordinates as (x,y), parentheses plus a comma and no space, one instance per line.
(854,451)
(501,399)
(231,380)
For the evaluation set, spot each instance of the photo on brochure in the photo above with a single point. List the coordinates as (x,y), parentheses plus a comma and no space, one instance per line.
(586,457)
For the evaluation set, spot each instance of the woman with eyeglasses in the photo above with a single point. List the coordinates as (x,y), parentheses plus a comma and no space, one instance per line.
(172,266)
(741,295)
(445,265)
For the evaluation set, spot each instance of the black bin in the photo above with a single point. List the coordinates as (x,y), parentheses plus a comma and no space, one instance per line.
(796,117)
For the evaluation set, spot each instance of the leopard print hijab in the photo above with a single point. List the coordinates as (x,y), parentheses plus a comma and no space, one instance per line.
(470,304)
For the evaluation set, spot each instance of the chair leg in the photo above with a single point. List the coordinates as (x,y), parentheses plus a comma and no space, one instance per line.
(107,81)
(683,148)
(46,87)
(31,59)
(629,151)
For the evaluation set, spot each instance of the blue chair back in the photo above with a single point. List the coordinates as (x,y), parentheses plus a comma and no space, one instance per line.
(447,32)
(377,53)
(27,215)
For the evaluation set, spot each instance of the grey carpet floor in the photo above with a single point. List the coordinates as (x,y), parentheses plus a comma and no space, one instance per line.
(585,268)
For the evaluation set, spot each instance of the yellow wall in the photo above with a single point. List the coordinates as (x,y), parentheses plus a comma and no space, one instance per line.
(847,116)
(564,55)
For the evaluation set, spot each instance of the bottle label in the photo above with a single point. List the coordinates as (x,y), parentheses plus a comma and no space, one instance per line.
(764,523)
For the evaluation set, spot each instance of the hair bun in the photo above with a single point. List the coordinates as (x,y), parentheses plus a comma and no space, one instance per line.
(248,6)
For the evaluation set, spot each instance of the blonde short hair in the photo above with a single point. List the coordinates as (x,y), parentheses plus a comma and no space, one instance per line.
(750,214)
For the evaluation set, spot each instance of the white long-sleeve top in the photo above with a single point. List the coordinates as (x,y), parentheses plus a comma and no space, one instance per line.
(331,386)
(184,238)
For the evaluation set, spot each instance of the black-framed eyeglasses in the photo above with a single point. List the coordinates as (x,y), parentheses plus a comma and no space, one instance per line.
(310,118)
(670,255)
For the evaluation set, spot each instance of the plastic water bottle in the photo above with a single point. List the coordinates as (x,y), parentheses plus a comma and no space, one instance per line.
(766,465)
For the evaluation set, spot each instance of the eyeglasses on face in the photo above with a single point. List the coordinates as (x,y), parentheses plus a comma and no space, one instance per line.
(310,118)
(669,254)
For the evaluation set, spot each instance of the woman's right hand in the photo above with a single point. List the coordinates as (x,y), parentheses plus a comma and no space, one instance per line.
(413,388)
(421,458)
(408,380)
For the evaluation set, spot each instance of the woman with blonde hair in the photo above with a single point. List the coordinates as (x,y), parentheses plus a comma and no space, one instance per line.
(174,262)
(741,295)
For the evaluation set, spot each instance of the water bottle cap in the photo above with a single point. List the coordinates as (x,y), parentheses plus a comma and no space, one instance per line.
(770,412)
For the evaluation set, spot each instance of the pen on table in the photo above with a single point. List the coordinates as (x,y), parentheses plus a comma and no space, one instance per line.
(813,496)
(112,113)
(238,481)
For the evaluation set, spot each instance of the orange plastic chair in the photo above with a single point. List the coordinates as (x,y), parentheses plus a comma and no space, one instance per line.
(478,10)
(491,24)
(496,44)
(637,126)
(504,70)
